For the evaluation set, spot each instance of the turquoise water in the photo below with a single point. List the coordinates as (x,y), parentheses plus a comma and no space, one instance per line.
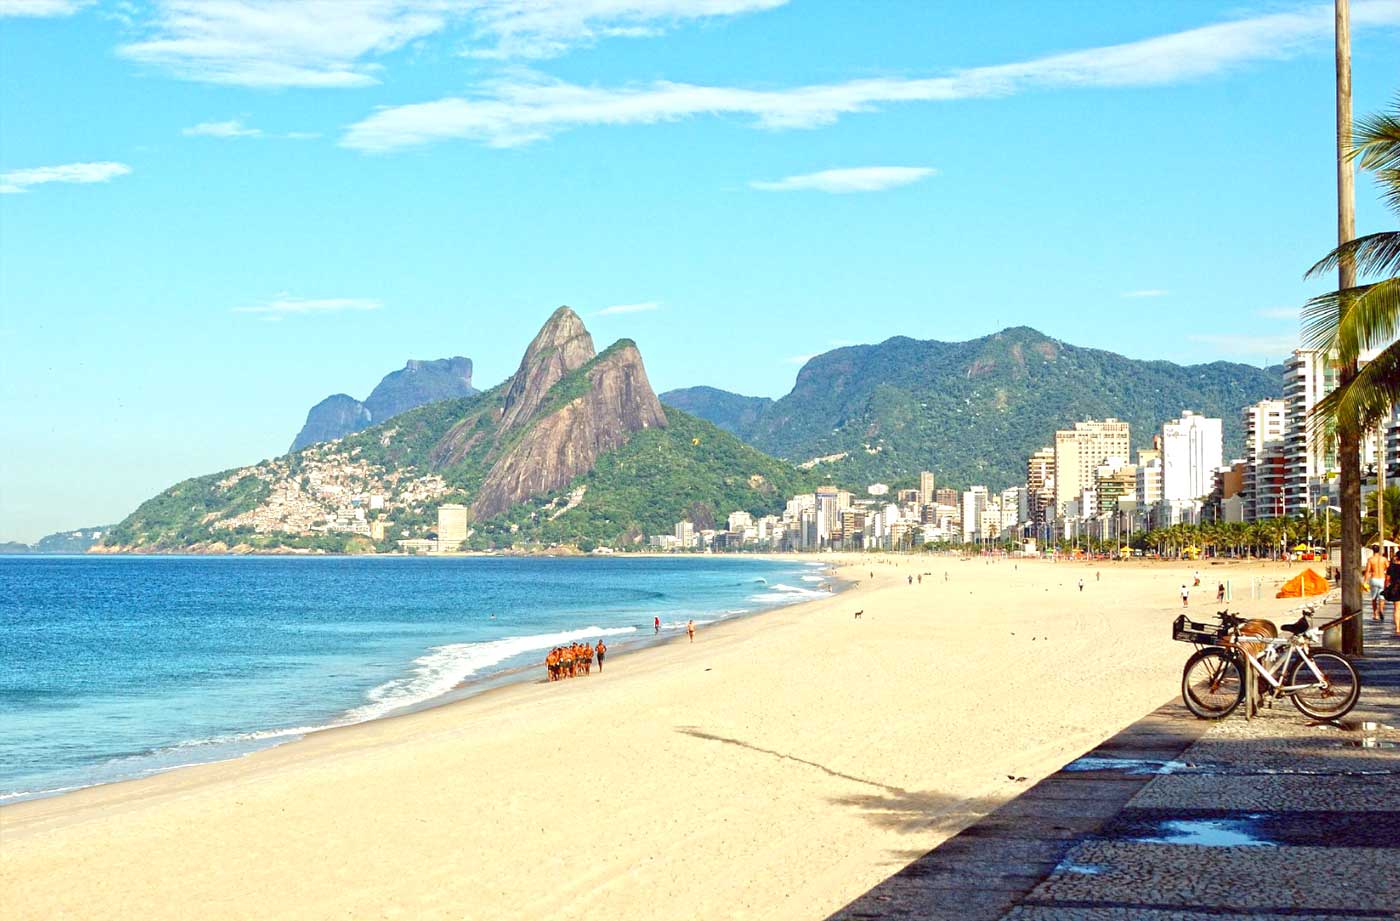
(118,667)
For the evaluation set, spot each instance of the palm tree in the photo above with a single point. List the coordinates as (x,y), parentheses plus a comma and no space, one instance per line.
(1367,316)
(1369,531)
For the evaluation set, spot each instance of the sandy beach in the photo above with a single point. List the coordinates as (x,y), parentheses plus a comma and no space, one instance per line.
(776,768)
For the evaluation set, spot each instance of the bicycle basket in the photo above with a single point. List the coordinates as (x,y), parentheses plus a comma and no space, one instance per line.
(1188,631)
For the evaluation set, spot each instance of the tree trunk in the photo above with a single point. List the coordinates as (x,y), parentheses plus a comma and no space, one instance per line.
(1349,434)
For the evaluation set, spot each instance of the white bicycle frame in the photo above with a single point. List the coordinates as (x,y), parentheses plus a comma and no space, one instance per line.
(1296,645)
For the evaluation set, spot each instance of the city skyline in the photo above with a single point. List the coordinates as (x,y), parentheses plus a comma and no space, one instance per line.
(213,219)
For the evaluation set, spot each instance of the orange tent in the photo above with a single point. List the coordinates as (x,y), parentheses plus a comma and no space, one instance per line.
(1304,584)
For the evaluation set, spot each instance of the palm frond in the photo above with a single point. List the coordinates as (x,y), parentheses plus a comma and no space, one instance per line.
(1374,254)
(1321,317)
(1366,399)
(1376,139)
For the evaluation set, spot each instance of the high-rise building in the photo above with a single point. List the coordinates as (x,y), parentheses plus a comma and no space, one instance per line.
(1040,485)
(1115,481)
(451,526)
(685,535)
(1079,452)
(974,502)
(1262,490)
(1309,457)
(1193,448)
(945,495)
(925,488)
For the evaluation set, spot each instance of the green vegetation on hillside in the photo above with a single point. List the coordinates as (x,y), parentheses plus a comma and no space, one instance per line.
(972,412)
(689,470)
(184,514)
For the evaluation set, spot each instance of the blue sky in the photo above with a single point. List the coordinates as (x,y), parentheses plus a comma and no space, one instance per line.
(213,213)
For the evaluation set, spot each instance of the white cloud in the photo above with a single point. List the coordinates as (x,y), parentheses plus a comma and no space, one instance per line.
(857,179)
(628,308)
(799,359)
(546,28)
(1278,313)
(1231,344)
(233,128)
(518,111)
(1147,292)
(21,179)
(335,43)
(38,8)
(284,305)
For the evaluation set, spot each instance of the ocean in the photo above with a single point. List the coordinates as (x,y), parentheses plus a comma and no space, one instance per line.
(120,667)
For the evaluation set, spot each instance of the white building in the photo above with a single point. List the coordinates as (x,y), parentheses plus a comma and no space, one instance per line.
(685,535)
(974,501)
(1193,447)
(1264,430)
(740,521)
(1307,377)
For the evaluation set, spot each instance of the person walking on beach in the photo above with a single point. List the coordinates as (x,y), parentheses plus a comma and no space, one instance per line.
(1374,573)
(1081,585)
(1185,595)
(656,624)
(600,650)
(1220,593)
(690,629)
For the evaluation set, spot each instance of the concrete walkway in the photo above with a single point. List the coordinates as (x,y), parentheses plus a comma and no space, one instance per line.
(1177,818)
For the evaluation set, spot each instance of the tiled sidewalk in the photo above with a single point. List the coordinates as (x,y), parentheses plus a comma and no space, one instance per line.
(1175,818)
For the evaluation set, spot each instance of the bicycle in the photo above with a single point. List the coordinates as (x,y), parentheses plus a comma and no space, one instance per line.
(1321,684)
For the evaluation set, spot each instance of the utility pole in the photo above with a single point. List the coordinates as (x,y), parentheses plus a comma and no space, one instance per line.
(1380,483)
(1348,431)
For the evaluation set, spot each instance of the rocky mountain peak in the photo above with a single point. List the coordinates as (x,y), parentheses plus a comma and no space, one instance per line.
(562,345)
(593,409)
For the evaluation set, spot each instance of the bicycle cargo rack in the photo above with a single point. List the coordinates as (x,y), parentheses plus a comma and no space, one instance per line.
(1185,630)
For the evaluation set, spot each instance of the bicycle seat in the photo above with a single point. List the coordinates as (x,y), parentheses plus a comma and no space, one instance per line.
(1301,625)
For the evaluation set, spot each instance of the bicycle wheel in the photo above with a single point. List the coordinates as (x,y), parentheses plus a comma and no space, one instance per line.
(1325,703)
(1211,684)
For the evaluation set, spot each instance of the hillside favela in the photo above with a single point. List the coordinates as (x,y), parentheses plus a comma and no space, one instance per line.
(1003,522)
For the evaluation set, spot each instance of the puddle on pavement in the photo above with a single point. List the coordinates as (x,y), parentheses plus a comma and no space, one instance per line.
(1209,833)
(1128,765)
(1082,869)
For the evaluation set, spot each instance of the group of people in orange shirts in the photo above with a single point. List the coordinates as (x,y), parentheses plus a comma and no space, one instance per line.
(573,659)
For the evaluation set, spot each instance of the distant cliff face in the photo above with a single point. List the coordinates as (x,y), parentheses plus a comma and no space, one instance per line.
(561,346)
(420,382)
(416,384)
(334,417)
(586,414)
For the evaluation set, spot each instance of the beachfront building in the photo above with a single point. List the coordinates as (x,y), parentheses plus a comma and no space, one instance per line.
(685,535)
(1262,491)
(452,529)
(1079,452)
(1040,486)
(1392,448)
(1115,482)
(1309,458)
(1193,448)
(974,502)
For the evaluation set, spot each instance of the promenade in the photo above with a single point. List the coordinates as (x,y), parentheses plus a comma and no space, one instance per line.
(1176,818)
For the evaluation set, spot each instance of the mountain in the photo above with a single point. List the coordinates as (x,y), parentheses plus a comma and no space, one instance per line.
(729,411)
(973,411)
(575,445)
(415,384)
(76,541)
